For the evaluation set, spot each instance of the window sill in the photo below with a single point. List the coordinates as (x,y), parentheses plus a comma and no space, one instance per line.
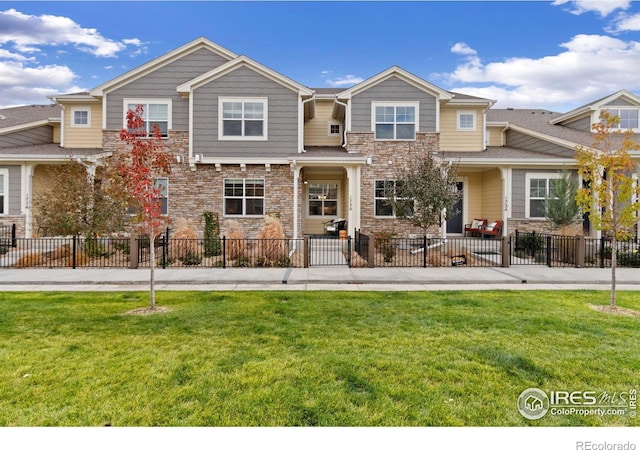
(242,138)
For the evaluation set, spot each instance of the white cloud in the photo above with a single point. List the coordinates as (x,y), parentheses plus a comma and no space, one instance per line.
(6,54)
(346,81)
(602,7)
(625,22)
(591,66)
(28,32)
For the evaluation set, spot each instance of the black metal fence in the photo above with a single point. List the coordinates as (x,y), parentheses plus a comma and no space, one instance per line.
(7,237)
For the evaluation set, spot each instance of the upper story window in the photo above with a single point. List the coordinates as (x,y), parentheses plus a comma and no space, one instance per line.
(394,121)
(153,112)
(80,117)
(162,185)
(628,118)
(4,182)
(242,119)
(539,186)
(466,121)
(243,197)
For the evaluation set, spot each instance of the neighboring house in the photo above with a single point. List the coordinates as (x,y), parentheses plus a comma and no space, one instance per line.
(249,141)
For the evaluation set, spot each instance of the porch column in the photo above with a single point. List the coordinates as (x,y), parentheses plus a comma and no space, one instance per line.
(26,199)
(296,180)
(353,216)
(505,173)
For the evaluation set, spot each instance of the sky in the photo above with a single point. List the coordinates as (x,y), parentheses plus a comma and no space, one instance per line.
(556,55)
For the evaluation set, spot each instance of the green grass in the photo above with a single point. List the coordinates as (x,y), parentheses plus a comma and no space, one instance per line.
(308,358)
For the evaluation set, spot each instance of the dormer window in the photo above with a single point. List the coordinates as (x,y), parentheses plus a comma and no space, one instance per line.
(395,121)
(154,112)
(80,117)
(628,118)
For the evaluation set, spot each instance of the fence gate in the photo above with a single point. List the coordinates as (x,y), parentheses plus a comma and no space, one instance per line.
(329,251)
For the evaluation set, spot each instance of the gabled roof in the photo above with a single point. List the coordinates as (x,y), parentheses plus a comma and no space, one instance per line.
(161,61)
(25,117)
(243,61)
(403,75)
(597,104)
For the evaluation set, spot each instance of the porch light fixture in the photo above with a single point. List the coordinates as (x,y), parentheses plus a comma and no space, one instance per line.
(368,160)
(179,159)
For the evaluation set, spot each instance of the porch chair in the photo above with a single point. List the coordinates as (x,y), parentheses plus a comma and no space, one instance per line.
(492,229)
(334,226)
(475,227)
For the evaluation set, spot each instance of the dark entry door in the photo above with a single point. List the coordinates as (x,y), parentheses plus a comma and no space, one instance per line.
(454,218)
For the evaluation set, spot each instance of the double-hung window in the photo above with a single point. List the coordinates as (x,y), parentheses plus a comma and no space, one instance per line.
(243,197)
(4,182)
(242,118)
(395,121)
(80,117)
(466,121)
(154,112)
(323,199)
(384,190)
(628,118)
(539,187)
(162,185)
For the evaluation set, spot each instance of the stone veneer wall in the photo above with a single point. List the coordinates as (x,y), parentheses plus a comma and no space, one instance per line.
(543,226)
(19,220)
(387,158)
(192,192)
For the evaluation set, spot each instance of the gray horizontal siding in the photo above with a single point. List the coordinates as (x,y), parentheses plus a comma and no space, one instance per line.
(525,142)
(583,124)
(392,90)
(33,136)
(14,187)
(519,189)
(618,102)
(162,83)
(282,116)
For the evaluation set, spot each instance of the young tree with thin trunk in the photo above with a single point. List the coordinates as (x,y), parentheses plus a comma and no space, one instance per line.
(133,177)
(611,198)
(423,191)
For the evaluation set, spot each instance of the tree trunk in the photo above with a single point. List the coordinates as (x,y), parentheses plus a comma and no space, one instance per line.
(152,266)
(614,261)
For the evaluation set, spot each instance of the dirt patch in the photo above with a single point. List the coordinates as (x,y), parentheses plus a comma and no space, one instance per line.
(618,311)
(146,311)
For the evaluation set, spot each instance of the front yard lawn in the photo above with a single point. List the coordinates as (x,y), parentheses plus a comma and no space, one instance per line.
(308,358)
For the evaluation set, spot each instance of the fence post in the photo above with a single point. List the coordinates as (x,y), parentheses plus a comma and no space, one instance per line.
(534,246)
(602,252)
(506,251)
(549,250)
(133,251)
(349,251)
(424,251)
(305,252)
(371,252)
(579,250)
(224,252)
(73,251)
(165,248)
(13,236)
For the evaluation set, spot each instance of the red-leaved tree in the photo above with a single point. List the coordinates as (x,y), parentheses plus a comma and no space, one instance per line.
(134,175)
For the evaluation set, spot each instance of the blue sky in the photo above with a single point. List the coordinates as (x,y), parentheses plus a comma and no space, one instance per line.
(555,55)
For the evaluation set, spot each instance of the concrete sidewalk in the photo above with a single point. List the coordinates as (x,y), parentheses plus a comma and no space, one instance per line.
(319,278)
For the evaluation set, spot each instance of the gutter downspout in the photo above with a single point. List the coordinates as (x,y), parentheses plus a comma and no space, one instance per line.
(313,97)
(344,133)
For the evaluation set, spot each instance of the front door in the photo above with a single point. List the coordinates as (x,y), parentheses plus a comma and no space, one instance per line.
(454,218)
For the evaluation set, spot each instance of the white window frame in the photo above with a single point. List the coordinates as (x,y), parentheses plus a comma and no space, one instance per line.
(333,123)
(337,199)
(243,100)
(73,118)
(533,175)
(375,199)
(466,113)
(148,101)
(244,197)
(416,122)
(4,173)
(616,110)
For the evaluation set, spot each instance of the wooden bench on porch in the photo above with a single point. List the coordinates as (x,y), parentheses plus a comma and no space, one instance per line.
(475,227)
(492,229)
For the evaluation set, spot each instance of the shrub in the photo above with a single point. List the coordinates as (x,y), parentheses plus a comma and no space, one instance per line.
(272,242)
(629,259)
(183,243)
(236,243)
(385,244)
(191,259)
(212,245)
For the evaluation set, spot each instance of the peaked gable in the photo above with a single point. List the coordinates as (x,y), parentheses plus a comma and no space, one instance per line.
(161,62)
(402,74)
(622,95)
